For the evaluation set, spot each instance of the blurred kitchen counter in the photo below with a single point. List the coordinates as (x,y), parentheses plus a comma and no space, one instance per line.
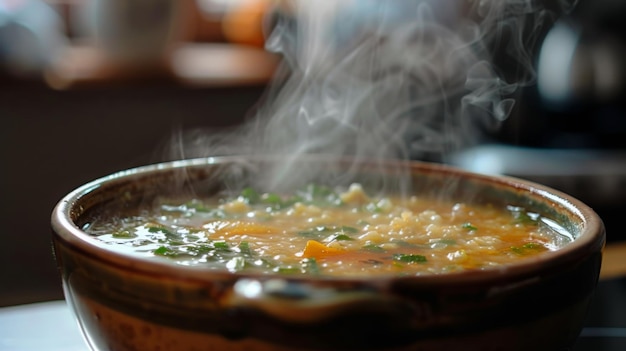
(190,64)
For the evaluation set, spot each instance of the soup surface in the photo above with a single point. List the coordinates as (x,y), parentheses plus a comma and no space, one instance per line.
(320,231)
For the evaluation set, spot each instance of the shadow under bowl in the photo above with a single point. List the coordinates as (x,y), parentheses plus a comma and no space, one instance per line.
(124,302)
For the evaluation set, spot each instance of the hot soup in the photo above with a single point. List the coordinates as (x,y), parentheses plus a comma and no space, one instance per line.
(320,231)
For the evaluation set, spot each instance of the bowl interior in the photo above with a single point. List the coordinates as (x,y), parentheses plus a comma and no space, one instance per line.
(132,190)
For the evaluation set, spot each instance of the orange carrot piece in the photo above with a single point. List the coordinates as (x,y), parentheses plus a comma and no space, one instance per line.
(318,250)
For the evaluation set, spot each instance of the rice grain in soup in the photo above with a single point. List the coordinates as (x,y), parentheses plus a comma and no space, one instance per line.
(321,232)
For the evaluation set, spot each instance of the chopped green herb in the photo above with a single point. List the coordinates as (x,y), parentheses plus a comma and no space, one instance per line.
(221,245)
(244,248)
(322,233)
(340,237)
(160,229)
(274,200)
(165,251)
(271,198)
(316,233)
(409,258)
(197,206)
(250,195)
(532,246)
(312,194)
(200,249)
(469,226)
(124,234)
(527,248)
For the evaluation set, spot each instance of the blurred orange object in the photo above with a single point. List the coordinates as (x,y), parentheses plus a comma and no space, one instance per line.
(243,23)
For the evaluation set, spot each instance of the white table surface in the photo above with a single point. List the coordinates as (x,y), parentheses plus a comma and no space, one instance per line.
(48,326)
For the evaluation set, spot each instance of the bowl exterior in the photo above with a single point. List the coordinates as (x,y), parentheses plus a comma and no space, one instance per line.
(121,309)
(123,304)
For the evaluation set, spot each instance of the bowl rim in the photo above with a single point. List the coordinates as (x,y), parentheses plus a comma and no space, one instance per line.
(592,236)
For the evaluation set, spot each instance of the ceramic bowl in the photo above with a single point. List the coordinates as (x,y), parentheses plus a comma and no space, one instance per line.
(125,303)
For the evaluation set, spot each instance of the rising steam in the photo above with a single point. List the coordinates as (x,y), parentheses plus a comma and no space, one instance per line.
(395,79)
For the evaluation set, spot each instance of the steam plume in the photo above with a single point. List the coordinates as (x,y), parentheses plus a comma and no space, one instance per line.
(394,79)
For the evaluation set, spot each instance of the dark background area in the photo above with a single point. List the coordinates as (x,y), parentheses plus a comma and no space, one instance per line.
(54,141)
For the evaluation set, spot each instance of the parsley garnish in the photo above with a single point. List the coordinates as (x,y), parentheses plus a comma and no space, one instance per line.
(409,258)
(469,226)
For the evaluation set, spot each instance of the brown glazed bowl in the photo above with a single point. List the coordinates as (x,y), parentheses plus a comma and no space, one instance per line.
(126,303)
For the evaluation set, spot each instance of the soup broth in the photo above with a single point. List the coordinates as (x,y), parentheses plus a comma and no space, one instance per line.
(321,231)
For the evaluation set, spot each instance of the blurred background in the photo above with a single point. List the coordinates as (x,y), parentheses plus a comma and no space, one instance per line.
(88,88)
